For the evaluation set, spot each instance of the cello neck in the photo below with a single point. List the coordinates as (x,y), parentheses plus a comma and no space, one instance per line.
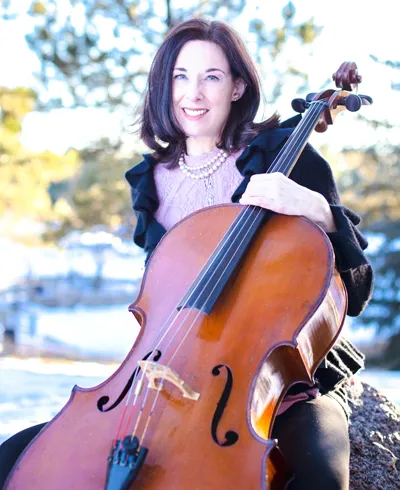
(289,154)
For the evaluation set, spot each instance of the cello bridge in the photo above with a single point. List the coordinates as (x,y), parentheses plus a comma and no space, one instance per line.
(156,373)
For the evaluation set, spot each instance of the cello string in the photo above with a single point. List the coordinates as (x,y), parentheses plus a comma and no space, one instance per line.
(244,216)
(314,109)
(253,208)
(258,210)
(169,327)
(251,212)
(127,402)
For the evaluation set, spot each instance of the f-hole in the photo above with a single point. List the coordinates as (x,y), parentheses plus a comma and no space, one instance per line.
(231,437)
(104,400)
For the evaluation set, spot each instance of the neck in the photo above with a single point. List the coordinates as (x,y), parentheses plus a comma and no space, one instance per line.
(196,146)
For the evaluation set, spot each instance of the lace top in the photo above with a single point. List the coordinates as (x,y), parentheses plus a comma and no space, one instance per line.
(179,195)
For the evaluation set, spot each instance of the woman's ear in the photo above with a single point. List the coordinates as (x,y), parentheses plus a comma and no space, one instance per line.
(240,87)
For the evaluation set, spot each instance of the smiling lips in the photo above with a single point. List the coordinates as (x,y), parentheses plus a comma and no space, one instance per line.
(194,114)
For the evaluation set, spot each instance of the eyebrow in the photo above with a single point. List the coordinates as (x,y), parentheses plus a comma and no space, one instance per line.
(207,71)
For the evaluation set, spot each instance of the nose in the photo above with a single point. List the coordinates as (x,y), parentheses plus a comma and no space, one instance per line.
(194,91)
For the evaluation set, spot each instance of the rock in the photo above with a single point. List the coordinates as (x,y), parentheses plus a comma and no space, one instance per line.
(374,439)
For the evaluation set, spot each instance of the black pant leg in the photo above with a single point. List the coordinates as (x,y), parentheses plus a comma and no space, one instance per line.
(13,447)
(314,439)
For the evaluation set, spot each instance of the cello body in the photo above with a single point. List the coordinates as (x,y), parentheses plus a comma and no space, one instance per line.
(271,328)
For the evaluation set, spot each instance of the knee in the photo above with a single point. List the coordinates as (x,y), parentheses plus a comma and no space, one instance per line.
(334,477)
(326,474)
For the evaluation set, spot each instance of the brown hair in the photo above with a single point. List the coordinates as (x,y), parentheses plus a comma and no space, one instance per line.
(157,120)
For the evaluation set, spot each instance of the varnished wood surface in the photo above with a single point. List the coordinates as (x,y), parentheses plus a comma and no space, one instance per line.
(286,290)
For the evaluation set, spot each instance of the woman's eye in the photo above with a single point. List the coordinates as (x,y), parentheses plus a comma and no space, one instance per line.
(182,76)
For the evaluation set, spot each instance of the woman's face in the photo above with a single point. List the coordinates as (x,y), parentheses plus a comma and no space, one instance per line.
(203,89)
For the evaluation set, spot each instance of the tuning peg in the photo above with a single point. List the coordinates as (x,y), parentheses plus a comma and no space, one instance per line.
(366,100)
(310,97)
(353,102)
(300,105)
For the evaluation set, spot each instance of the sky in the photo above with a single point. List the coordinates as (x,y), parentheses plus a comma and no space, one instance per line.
(352,30)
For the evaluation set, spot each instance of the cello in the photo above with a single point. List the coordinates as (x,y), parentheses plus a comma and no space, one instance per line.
(194,402)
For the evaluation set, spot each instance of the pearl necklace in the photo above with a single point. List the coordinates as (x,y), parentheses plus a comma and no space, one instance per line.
(204,170)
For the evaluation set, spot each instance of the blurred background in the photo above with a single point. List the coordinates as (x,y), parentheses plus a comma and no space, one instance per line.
(71,79)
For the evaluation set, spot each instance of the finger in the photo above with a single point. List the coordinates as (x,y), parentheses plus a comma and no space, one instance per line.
(266,203)
(264,187)
(269,176)
(281,207)
(272,181)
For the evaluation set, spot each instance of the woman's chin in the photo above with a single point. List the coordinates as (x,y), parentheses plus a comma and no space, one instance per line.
(200,133)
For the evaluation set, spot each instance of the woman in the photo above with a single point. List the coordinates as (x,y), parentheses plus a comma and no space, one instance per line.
(203,94)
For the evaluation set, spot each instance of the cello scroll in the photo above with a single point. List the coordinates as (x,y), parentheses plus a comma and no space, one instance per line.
(336,101)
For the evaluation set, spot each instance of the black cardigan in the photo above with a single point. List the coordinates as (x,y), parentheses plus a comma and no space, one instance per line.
(311,171)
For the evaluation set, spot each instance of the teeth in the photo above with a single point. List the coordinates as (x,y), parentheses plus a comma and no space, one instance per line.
(194,113)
